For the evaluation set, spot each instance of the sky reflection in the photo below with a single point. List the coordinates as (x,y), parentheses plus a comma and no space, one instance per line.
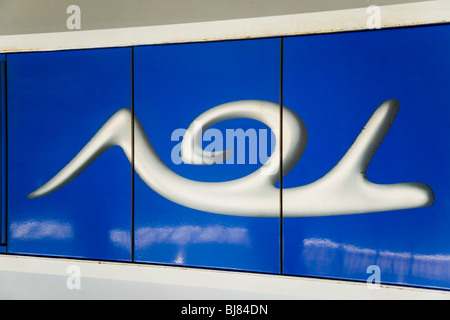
(325,255)
(191,234)
(35,230)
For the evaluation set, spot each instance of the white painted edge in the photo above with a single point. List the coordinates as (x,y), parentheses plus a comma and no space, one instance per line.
(45,278)
(411,14)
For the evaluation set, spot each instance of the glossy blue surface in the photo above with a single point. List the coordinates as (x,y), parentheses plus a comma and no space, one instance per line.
(56,102)
(3,148)
(173,85)
(335,82)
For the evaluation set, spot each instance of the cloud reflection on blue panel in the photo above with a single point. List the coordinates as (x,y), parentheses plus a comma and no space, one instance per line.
(191,234)
(321,254)
(33,230)
(121,238)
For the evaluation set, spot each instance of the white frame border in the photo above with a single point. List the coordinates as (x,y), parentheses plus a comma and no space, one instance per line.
(411,14)
(30,278)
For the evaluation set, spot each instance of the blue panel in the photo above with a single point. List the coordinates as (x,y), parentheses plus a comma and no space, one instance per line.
(174,84)
(2,149)
(56,102)
(335,82)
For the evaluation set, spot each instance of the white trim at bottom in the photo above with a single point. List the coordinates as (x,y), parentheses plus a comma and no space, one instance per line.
(25,277)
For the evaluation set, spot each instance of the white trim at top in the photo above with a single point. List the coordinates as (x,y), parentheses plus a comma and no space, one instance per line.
(411,14)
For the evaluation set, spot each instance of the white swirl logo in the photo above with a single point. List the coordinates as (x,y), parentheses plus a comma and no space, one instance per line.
(343,190)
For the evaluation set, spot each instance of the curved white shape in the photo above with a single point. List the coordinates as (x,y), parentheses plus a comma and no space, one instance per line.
(344,190)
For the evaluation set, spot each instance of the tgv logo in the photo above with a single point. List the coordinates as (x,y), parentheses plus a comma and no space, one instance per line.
(345,189)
